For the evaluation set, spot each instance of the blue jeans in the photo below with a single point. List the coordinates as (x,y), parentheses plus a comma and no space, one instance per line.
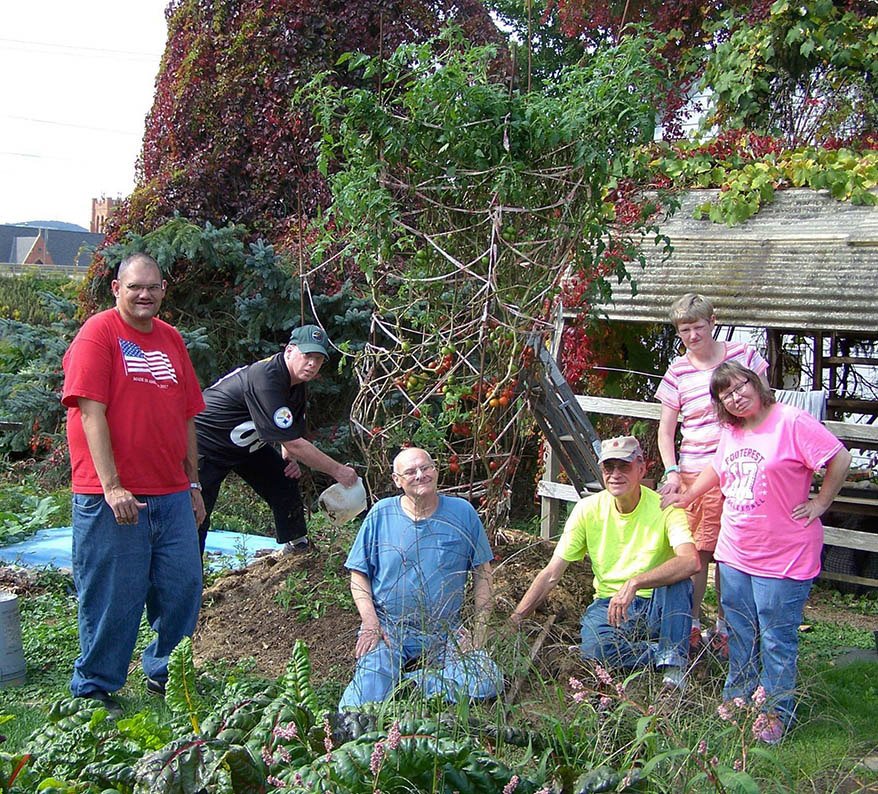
(656,632)
(119,569)
(445,670)
(763,617)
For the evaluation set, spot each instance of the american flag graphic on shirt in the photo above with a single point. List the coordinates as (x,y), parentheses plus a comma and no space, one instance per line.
(146,362)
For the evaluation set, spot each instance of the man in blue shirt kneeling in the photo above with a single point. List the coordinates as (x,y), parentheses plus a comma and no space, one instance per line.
(409,566)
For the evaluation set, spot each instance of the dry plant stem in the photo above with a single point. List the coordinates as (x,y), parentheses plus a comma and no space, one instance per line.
(535,649)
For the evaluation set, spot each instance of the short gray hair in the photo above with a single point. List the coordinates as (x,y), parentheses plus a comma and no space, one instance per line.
(137,257)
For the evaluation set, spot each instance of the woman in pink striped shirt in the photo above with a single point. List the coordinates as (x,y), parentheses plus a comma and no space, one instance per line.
(685,394)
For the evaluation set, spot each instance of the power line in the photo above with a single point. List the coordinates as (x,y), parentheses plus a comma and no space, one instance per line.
(68,124)
(76,50)
(22,154)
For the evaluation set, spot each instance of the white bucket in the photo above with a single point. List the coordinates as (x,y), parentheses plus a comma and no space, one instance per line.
(342,504)
(13,670)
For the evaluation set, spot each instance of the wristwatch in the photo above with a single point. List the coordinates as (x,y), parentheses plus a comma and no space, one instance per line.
(195,485)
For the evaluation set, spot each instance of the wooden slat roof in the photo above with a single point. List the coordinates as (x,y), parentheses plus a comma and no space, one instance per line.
(805,261)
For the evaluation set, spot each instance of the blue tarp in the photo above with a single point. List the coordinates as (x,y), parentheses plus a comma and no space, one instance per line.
(54,547)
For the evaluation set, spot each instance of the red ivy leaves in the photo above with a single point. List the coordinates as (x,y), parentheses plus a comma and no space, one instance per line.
(223,141)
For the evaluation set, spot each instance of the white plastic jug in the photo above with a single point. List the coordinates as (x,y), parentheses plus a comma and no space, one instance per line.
(341,504)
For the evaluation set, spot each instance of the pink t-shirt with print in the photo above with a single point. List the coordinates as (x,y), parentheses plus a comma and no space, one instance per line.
(686,389)
(764,473)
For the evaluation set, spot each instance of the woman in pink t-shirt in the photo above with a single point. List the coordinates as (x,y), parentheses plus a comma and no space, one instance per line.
(771,536)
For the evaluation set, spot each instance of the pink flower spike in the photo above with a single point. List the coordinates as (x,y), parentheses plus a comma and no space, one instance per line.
(759,697)
(327,742)
(605,703)
(740,702)
(759,724)
(377,758)
(575,684)
(289,731)
(738,765)
(275,781)
(511,785)
(723,712)
(603,676)
(579,696)
(702,747)
(267,757)
(393,736)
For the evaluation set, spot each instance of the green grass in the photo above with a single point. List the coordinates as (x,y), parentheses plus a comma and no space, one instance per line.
(836,726)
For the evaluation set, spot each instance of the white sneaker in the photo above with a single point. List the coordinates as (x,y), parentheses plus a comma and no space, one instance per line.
(674,678)
(297,546)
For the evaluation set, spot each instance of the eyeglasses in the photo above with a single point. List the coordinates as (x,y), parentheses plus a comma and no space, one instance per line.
(614,464)
(410,474)
(152,288)
(735,391)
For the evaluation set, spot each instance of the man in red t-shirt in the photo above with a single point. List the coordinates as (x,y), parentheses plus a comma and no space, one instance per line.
(132,396)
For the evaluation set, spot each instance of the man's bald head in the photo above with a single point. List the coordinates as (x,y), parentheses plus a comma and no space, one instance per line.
(409,454)
(138,258)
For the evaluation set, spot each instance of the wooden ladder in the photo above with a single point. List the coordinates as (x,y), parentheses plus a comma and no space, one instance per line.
(566,427)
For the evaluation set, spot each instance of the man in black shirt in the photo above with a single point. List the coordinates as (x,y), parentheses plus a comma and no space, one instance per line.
(253,408)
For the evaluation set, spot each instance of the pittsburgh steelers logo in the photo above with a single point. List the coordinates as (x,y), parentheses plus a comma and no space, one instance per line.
(283,417)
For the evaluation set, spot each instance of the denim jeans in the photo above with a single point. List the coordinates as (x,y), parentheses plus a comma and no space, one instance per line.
(120,569)
(445,670)
(656,632)
(763,617)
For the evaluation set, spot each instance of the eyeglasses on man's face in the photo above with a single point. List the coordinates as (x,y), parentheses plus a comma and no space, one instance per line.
(735,391)
(410,474)
(153,289)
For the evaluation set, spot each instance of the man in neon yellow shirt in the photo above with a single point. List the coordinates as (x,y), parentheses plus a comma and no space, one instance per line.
(642,558)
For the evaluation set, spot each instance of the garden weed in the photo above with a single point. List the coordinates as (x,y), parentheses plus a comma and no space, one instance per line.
(293,595)
(824,641)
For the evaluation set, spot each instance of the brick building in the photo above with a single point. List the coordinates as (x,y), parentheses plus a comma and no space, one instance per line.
(37,245)
(100,213)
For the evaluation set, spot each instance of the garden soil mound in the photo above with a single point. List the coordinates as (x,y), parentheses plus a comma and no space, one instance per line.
(243,613)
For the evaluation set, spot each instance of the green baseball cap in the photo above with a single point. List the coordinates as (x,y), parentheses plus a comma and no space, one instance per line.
(310,339)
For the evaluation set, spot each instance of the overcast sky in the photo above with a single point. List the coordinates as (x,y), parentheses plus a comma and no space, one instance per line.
(77,82)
